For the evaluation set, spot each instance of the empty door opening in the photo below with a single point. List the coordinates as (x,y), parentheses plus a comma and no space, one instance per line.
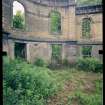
(20,50)
(56,54)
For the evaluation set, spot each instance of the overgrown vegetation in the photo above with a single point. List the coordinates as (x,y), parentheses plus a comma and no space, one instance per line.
(89,64)
(18,20)
(55,22)
(95,98)
(85,99)
(56,53)
(79,88)
(56,59)
(65,62)
(30,84)
(40,62)
(26,84)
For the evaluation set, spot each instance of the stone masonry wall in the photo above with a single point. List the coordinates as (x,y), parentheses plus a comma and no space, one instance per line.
(70,52)
(37,19)
(95,51)
(38,50)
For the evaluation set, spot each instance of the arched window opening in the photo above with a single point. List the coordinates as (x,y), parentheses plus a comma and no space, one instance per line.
(86,28)
(18,15)
(55,24)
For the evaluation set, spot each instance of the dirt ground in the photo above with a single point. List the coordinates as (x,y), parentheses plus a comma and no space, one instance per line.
(83,82)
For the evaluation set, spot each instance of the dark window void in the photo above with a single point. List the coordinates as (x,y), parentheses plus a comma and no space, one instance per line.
(100,51)
(4,53)
(86,51)
(20,50)
(55,23)
(86,28)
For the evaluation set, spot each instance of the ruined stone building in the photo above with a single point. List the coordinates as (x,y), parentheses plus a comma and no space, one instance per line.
(37,39)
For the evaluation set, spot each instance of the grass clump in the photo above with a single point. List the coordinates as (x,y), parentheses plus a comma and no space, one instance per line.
(40,62)
(95,98)
(85,99)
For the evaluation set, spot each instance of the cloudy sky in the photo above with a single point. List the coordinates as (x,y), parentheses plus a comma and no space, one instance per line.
(17,6)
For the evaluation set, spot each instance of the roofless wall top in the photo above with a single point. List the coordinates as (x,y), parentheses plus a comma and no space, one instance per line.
(56,3)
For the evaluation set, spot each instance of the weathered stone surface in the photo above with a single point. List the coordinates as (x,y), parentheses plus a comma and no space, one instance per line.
(70,52)
(95,52)
(38,50)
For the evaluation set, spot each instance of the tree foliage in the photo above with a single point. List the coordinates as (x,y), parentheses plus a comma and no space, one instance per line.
(18,20)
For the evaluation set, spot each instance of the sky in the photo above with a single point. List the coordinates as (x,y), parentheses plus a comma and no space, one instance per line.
(17,6)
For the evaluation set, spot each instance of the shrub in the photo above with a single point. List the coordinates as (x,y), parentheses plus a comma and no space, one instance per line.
(25,84)
(65,62)
(39,62)
(89,64)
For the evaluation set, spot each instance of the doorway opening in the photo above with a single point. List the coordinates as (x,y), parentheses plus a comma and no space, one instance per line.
(20,50)
(4,53)
(56,57)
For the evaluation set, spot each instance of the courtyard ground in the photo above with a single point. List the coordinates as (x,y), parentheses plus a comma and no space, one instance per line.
(77,86)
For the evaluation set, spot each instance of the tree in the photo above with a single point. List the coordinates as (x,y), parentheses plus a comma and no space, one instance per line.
(18,20)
